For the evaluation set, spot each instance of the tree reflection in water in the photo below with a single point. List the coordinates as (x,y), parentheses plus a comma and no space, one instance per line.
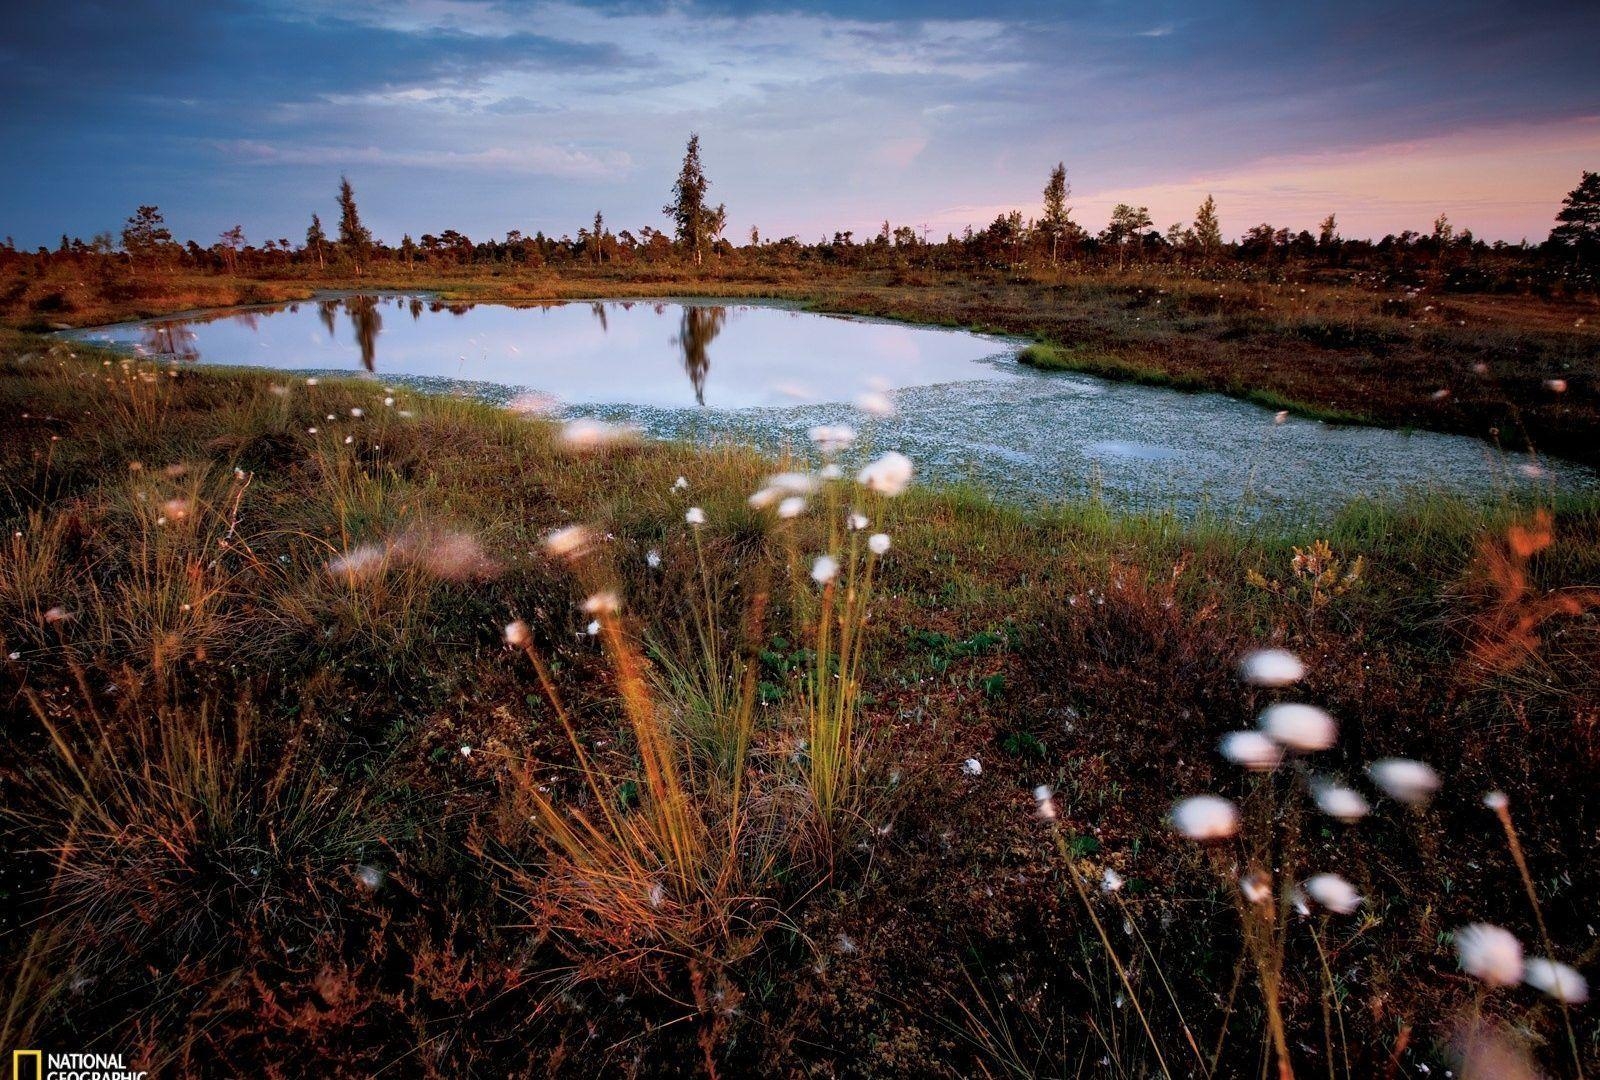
(699,329)
(366,320)
(170,339)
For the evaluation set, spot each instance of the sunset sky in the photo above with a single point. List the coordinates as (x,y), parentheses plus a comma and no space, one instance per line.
(489,116)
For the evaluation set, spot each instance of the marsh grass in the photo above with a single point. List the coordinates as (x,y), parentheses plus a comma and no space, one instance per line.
(616,844)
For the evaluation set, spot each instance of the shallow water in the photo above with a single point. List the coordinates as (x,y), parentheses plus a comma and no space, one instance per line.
(762,374)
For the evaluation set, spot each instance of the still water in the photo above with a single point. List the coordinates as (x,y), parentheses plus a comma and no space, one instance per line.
(762,374)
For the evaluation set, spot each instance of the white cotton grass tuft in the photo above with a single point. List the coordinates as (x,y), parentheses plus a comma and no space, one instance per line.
(1490,954)
(1299,727)
(1044,796)
(531,403)
(58,615)
(875,403)
(1334,893)
(972,767)
(602,603)
(1404,780)
(1206,817)
(1251,749)
(518,634)
(695,516)
(825,569)
(1256,887)
(568,543)
(681,484)
(888,475)
(1496,801)
(832,438)
(652,559)
(1338,801)
(1271,667)
(857,521)
(792,507)
(585,433)
(1111,881)
(358,563)
(593,629)
(1557,980)
(878,543)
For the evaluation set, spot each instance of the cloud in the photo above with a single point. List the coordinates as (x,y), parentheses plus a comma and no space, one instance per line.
(542,160)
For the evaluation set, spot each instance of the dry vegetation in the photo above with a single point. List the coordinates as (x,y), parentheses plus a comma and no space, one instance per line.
(321,757)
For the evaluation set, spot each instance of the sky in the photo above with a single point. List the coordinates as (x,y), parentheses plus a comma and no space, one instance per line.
(491,115)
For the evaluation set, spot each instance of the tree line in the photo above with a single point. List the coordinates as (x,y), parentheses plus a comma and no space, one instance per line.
(1570,255)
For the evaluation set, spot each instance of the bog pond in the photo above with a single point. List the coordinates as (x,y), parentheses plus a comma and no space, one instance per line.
(762,374)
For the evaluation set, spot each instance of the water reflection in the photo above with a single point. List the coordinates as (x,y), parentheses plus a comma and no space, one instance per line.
(170,339)
(699,328)
(367,322)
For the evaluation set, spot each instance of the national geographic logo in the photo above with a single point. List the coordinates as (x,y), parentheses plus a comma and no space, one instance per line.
(49,1065)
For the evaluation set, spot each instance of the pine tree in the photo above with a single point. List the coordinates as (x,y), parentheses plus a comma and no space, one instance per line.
(1056,211)
(145,234)
(1579,217)
(687,210)
(1328,232)
(316,239)
(353,236)
(1207,231)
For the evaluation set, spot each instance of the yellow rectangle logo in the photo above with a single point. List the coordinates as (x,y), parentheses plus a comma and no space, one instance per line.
(19,1063)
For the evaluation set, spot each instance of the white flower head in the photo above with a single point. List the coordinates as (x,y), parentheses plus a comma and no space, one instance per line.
(832,438)
(568,543)
(972,767)
(1404,780)
(857,521)
(888,475)
(825,569)
(588,434)
(358,563)
(1557,980)
(830,471)
(1256,887)
(695,516)
(681,484)
(1496,801)
(875,403)
(652,559)
(1299,727)
(1271,667)
(792,507)
(602,603)
(1206,817)
(1045,797)
(1251,749)
(1110,881)
(1334,893)
(593,629)
(1338,801)
(518,634)
(1490,953)
(792,483)
(878,543)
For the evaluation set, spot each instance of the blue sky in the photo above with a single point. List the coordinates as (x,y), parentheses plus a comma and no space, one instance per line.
(489,116)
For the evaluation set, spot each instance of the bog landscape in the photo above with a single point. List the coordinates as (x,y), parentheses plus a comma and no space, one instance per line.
(1049,644)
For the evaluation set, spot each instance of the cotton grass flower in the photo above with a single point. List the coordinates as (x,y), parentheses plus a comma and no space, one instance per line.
(1490,954)
(652,559)
(1256,887)
(875,403)
(518,634)
(1404,780)
(832,438)
(1557,980)
(878,543)
(792,507)
(357,564)
(888,475)
(972,767)
(1045,797)
(681,484)
(1334,893)
(1206,817)
(1271,667)
(589,434)
(58,615)
(825,569)
(1496,801)
(1299,727)
(1556,386)
(695,516)
(602,603)
(1111,881)
(1338,801)
(1251,749)
(568,543)
(856,521)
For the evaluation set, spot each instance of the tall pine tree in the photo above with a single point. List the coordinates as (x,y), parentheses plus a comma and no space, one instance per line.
(690,217)
(353,236)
